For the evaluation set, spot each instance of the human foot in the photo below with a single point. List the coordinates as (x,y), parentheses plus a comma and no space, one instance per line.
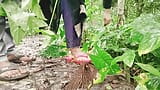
(78,56)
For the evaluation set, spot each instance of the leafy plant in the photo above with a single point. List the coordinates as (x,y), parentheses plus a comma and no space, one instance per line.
(153,81)
(149,68)
(24,18)
(149,31)
(55,45)
(127,58)
(105,64)
(141,79)
(54,51)
(135,42)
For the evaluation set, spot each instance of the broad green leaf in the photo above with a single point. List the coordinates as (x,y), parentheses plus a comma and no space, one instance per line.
(113,69)
(98,62)
(149,27)
(2,12)
(18,33)
(156,52)
(149,43)
(127,58)
(35,23)
(33,5)
(149,68)
(104,55)
(104,63)
(19,26)
(25,3)
(146,23)
(136,37)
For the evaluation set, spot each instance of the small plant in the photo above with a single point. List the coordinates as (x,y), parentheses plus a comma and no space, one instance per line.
(104,63)
(56,46)
(54,51)
(150,80)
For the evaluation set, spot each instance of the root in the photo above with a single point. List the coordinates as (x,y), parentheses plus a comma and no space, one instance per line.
(82,77)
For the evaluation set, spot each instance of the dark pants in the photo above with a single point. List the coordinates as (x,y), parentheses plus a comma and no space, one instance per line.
(45,6)
(71,37)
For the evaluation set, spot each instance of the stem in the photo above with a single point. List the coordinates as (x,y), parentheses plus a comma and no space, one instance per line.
(53,13)
(126,69)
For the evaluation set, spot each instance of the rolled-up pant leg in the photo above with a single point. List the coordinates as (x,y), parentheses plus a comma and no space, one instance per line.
(71,37)
(6,42)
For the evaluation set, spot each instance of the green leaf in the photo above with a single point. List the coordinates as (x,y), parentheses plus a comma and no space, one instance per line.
(35,23)
(104,63)
(142,78)
(85,47)
(127,58)
(156,52)
(98,62)
(22,22)
(146,24)
(149,68)
(2,12)
(19,26)
(149,29)
(154,82)
(149,43)
(141,87)
(47,32)
(104,55)
(32,5)
(101,76)
(18,33)
(54,51)
(136,37)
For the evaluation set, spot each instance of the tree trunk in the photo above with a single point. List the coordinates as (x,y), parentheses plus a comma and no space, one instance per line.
(121,16)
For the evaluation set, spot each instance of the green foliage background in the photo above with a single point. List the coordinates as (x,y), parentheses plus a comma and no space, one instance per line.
(137,41)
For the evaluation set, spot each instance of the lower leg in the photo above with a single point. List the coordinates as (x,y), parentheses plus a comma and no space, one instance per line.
(73,40)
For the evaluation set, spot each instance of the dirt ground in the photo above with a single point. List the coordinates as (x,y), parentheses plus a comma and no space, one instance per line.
(53,74)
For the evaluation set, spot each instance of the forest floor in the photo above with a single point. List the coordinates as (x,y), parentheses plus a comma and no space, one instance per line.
(53,74)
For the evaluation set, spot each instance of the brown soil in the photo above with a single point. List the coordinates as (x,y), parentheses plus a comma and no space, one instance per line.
(54,74)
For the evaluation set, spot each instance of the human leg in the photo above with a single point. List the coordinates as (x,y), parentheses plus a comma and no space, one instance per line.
(73,40)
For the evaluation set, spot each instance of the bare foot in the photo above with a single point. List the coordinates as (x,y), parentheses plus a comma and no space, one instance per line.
(79,56)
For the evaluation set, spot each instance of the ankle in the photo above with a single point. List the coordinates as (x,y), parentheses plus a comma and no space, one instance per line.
(75,49)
